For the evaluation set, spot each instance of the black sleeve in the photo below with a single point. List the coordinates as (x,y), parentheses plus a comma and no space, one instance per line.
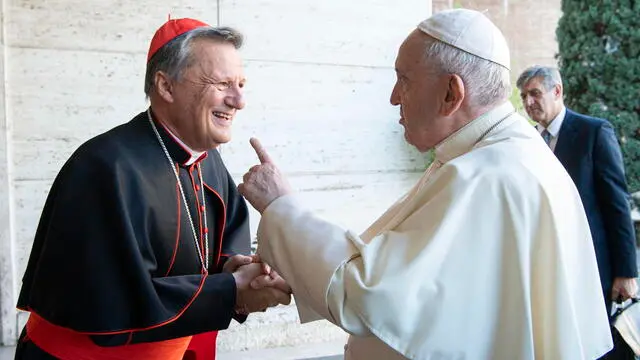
(92,262)
(218,292)
(613,198)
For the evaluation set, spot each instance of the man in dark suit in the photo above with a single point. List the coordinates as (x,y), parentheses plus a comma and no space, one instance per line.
(589,151)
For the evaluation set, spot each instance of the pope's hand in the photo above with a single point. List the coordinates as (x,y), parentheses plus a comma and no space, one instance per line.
(250,300)
(263,183)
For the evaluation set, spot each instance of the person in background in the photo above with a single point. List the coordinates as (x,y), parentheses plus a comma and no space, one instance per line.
(588,149)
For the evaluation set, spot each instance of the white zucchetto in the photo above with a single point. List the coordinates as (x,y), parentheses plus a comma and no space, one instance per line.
(470,31)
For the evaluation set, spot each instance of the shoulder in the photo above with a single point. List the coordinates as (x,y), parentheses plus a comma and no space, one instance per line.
(517,168)
(117,147)
(489,165)
(586,120)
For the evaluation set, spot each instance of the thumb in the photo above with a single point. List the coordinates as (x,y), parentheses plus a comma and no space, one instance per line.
(263,156)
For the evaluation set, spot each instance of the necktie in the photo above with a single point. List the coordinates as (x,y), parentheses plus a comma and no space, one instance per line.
(546,136)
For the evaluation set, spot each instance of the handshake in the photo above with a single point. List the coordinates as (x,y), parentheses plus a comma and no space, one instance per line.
(257,285)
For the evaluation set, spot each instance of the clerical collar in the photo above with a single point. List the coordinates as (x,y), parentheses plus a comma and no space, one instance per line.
(463,140)
(178,150)
(194,155)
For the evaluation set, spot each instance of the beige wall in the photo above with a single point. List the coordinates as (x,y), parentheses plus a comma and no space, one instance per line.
(528,25)
(319,77)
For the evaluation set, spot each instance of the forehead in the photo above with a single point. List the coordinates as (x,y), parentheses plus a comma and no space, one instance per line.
(412,52)
(216,58)
(533,84)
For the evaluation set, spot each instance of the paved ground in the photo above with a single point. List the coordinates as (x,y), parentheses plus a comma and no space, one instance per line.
(325,351)
(328,351)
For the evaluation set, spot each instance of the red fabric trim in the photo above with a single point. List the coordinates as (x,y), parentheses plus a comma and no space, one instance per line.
(130,338)
(66,344)
(175,248)
(168,321)
(173,137)
(224,222)
(200,225)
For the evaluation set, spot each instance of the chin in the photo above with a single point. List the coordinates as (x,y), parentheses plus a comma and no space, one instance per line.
(219,139)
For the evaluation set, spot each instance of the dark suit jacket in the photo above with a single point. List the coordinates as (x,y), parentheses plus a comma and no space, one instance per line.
(589,151)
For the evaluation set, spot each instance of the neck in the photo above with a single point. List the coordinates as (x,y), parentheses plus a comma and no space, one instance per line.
(162,115)
(545,123)
(468,113)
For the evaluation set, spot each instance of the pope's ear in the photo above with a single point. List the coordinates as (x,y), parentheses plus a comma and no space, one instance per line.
(455,95)
(163,86)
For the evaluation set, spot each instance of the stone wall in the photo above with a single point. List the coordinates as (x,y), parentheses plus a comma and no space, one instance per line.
(319,79)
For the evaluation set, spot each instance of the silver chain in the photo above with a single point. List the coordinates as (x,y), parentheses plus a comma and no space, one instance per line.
(204,262)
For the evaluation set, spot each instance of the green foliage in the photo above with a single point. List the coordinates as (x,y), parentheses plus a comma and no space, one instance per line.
(599,59)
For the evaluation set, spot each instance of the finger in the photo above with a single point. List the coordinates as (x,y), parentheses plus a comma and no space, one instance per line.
(284,299)
(266,268)
(256,258)
(250,271)
(263,156)
(241,259)
(241,189)
(235,261)
(274,274)
(278,297)
(261,282)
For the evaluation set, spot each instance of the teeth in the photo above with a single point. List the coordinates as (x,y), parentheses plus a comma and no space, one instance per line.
(222,115)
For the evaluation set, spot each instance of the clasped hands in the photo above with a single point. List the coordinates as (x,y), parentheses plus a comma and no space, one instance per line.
(257,285)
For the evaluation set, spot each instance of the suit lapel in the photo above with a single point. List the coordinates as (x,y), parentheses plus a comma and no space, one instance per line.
(566,137)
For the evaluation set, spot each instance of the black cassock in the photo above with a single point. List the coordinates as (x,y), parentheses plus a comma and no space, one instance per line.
(114,251)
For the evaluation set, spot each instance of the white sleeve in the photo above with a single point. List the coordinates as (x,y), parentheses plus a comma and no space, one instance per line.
(311,254)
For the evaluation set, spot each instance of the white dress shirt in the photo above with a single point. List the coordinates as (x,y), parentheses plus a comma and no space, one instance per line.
(554,128)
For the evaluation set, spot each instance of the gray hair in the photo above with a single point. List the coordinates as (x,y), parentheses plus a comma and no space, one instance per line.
(549,75)
(487,82)
(176,55)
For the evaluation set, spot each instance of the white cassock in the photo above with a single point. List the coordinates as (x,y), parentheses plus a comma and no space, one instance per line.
(489,256)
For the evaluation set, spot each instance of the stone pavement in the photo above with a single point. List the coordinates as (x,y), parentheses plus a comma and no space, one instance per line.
(319,351)
(293,353)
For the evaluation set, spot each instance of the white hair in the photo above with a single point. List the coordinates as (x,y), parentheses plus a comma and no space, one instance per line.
(549,75)
(486,82)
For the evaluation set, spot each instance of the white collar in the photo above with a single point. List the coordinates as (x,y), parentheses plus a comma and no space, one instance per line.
(463,140)
(556,123)
(195,155)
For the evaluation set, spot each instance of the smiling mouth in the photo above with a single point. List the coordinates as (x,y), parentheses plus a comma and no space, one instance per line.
(222,118)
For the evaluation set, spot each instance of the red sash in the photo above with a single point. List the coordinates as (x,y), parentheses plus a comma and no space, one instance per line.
(67,344)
